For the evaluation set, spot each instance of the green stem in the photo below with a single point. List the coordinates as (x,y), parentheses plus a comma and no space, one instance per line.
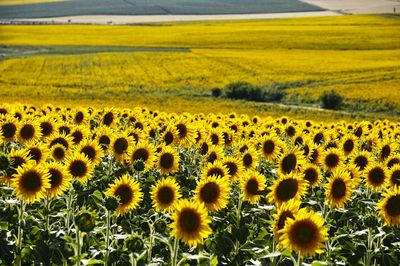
(108,223)
(150,249)
(174,252)
(47,203)
(69,200)
(78,246)
(299,260)
(18,258)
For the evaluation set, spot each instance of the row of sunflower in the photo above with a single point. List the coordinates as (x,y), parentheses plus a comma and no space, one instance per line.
(100,186)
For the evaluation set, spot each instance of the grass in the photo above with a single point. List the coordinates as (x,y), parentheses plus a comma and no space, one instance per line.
(25,2)
(358,56)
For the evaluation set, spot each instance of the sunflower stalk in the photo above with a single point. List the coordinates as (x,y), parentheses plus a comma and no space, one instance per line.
(78,246)
(238,218)
(151,240)
(47,204)
(18,258)
(108,224)
(174,252)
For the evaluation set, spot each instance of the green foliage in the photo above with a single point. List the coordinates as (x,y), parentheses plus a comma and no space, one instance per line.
(331,100)
(246,91)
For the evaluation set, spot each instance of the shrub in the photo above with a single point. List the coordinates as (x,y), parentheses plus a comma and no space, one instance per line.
(246,91)
(216,92)
(331,100)
(273,95)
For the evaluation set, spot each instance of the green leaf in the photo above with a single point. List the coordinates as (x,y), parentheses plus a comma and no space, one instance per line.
(3,225)
(272,255)
(319,263)
(97,194)
(92,262)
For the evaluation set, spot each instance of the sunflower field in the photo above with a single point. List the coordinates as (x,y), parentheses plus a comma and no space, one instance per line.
(86,186)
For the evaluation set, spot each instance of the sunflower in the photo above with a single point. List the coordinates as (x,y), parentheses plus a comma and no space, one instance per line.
(136,134)
(9,129)
(79,167)
(286,211)
(306,233)
(170,136)
(190,222)
(81,116)
(144,152)
(58,152)
(108,117)
(287,187)
(392,160)
(376,176)
(361,159)
(91,150)
(348,144)
(168,160)
(271,147)
(216,168)
(129,193)
(332,159)
(215,136)
(319,137)
(354,173)
(165,194)
(31,182)
(314,154)
(60,179)
(251,184)
(47,126)
(78,134)
(60,139)
(120,145)
(385,149)
(37,152)
(213,191)
(29,131)
(312,174)
(103,137)
(215,153)
(290,161)
(186,133)
(17,158)
(394,175)
(389,207)
(234,167)
(339,188)
(249,158)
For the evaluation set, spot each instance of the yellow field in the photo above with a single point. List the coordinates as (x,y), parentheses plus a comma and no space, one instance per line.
(24,2)
(359,56)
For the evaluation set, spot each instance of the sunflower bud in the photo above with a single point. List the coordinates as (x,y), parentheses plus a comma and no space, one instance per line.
(139,165)
(160,226)
(85,221)
(111,203)
(4,162)
(134,244)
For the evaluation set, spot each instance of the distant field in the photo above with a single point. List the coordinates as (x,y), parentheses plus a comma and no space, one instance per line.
(25,2)
(153,7)
(356,55)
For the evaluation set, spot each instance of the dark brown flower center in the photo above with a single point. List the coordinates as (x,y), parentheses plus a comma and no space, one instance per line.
(165,195)
(78,168)
(9,130)
(167,160)
(287,189)
(140,154)
(376,176)
(338,189)
(348,146)
(108,118)
(395,177)
(268,147)
(232,168)
(189,221)
(393,205)
(120,145)
(215,171)
(332,160)
(59,153)
(282,218)
(247,160)
(27,131)
(168,137)
(361,161)
(31,181)
(288,163)
(56,177)
(304,233)
(252,186)
(209,193)
(125,193)
(77,137)
(89,151)
(311,175)
(182,130)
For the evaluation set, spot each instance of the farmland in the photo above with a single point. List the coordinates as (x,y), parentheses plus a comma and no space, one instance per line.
(183,61)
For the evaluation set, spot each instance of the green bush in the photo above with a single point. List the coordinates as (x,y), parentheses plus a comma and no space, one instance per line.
(331,100)
(247,91)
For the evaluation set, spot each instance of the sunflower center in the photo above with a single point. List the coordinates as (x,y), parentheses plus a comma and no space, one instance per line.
(287,189)
(247,160)
(64,130)
(314,156)
(361,162)
(182,130)
(140,154)
(395,177)
(318,138)
(59,153)
(27,131)
(165,195)
(78,168)
(108,118)
(189,221)
(393,205)
(268,147)
(348,146)
(55,177)
(311,175)
(16,162)
(120,145)
(31,181)
(77,137)
(244,148)
(46,128)
(304,233)
(212,157)
(338,189)
(214,139)
(252,186)
(306,150)
(79,117)
(392,162)
(104,141)
(232,168)
(385,151)
(332,160)
(35,153)
(376,176)
(167,160)
(289,163)
(9,130)
(168,138)
(282,218)
(210,192)
(215,171)
(59,140)
(204,148)
(124,192)
(89,151)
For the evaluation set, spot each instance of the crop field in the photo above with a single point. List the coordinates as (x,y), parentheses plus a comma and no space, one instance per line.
(150,7)
(182,61)
(94,186)
(24,2)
